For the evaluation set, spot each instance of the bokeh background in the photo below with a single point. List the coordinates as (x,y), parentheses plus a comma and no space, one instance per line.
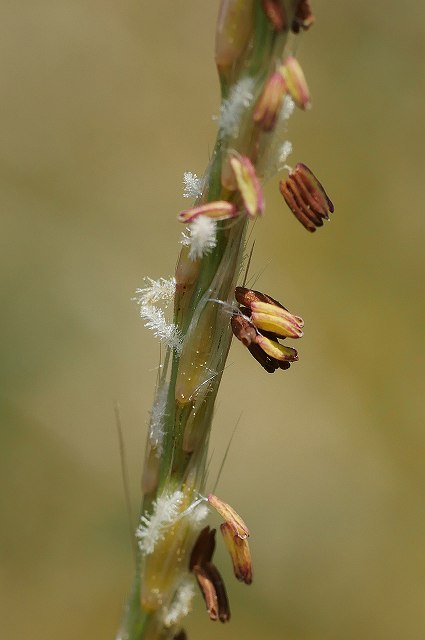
(104,105)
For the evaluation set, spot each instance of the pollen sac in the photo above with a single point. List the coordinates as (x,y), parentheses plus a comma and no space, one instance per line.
(213,590)
(269,103)
(230,516)
(275,13)
(203,549)
(247,296)
(239,553)
(269,364)
(276,350)
(306,197)
(243,329)
(248,184)
(296,84)
(218,210)
(277,320)
(303,18)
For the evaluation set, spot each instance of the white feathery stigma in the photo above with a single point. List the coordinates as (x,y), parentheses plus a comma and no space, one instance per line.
(153,526)
(202,237)
(181,605)
(192,185)
(167,332)
(231,110)
(155,291)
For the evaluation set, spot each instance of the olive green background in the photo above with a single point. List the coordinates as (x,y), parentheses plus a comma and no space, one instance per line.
(103,105)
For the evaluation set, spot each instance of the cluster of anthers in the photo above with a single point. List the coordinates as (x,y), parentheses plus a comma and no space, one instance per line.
(235,534)
(260,322)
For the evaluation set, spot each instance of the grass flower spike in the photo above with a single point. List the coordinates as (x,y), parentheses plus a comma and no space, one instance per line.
(196,313)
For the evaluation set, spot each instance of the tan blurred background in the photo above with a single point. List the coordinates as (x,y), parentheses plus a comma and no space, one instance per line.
(103,105)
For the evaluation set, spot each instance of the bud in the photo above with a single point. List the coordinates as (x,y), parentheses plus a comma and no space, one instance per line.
(304,17)
(218,210)
(296,84)
(306,197)
(269,103)
(275,13)
(269,317)
(234,28)
(239,553)
(275,350)
(228,514)
(248,184)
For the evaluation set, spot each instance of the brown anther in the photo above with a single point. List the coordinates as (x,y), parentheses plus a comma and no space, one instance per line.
(306,197)
(208,590)
(231,516)
(248,296)
(303,18)
(315,187)
(301,192)
(296,210)
(243,329)
(275,12)
(239,553)
(203,548)
(284,364)
(208,577)
(304,202)
(181,635)
(269,364)
(220,589)
(213,590)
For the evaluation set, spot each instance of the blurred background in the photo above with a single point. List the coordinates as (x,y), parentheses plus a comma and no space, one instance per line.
(104,105)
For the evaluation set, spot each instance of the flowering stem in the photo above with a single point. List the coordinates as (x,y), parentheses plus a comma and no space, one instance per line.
(190,378)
